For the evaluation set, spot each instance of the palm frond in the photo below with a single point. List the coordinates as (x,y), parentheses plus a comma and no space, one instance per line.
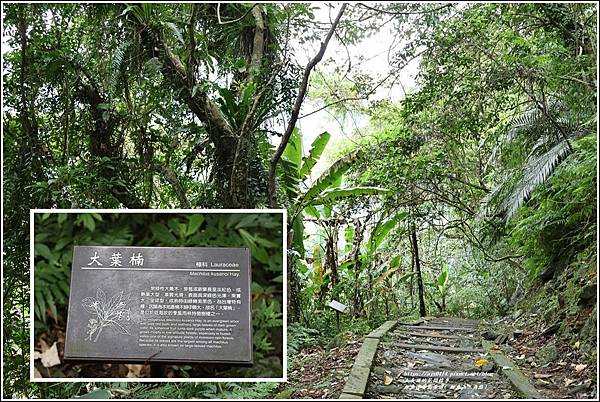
(545,136)
(536,171)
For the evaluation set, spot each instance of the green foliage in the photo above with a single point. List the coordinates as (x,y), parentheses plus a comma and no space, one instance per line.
(547,132)
(381,231)
(187,390)
(331,177)
(442,281)
(557,224)
(316,149)
(300,336)
(331,195)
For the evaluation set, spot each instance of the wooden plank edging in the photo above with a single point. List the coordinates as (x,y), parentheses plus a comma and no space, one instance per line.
(509,370)
(357,381)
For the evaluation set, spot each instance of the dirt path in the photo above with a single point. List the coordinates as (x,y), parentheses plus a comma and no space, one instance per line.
(442,358)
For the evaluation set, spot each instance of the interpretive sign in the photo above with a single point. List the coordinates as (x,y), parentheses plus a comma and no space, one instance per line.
(153,304)
(337,306)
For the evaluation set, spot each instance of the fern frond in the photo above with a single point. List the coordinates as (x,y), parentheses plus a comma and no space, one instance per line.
(119,66)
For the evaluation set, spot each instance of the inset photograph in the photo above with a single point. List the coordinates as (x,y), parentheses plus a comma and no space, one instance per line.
(146,295)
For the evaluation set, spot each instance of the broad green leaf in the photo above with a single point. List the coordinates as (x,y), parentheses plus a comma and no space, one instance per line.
(330,176)
(246,221)
(293,149)
(61,217)
(97,394)
(312,211)
(88,222)
(43,250)
(62,243)
(316,149)
(260,254)
(175,31)
(162,234)
(381,231)
(248,238)
(334,194)
(195,222)
(394,262)
(265,242)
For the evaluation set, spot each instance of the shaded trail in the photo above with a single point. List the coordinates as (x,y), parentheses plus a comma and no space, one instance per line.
(440,358)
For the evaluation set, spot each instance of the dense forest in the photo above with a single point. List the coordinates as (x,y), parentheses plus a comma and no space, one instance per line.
(467,189)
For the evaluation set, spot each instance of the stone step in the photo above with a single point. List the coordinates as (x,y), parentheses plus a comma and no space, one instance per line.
(438,328)
(450,349)
(431,335)
(451,375)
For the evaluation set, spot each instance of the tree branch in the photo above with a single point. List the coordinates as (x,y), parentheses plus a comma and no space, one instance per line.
(198,101)
(296,109)
(403,12)
(169,175)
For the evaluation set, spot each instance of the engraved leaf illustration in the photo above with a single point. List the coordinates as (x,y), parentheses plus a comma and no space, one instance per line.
(108,312)
(88,305)
(101,296)
(114,301)
(121,328)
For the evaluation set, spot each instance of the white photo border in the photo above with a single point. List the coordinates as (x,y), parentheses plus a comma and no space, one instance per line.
(34,211)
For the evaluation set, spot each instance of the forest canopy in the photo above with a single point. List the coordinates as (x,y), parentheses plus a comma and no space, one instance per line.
(467,187)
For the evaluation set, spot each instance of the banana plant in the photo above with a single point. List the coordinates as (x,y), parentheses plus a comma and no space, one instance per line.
(442,286)
(377,238)
(324,192)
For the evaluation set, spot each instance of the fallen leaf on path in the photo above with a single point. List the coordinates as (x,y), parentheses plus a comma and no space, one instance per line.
(542,376)
(50,357)
(577,344)
(481,362)
(568,382)
(580,367)
(387,380)
(135,370)
(43,345)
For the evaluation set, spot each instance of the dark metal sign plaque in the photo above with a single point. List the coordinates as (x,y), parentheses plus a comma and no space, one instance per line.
(164,304)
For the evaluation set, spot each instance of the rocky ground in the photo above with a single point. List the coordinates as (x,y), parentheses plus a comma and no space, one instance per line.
(319,372)
(552,333)
(441,359)
(556,365)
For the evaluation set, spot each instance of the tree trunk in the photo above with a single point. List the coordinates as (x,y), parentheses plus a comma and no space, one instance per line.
(412,277)
(359,231)
(415,246)
(294,308)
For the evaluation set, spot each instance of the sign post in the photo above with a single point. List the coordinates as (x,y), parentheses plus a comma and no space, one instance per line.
(339,308)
